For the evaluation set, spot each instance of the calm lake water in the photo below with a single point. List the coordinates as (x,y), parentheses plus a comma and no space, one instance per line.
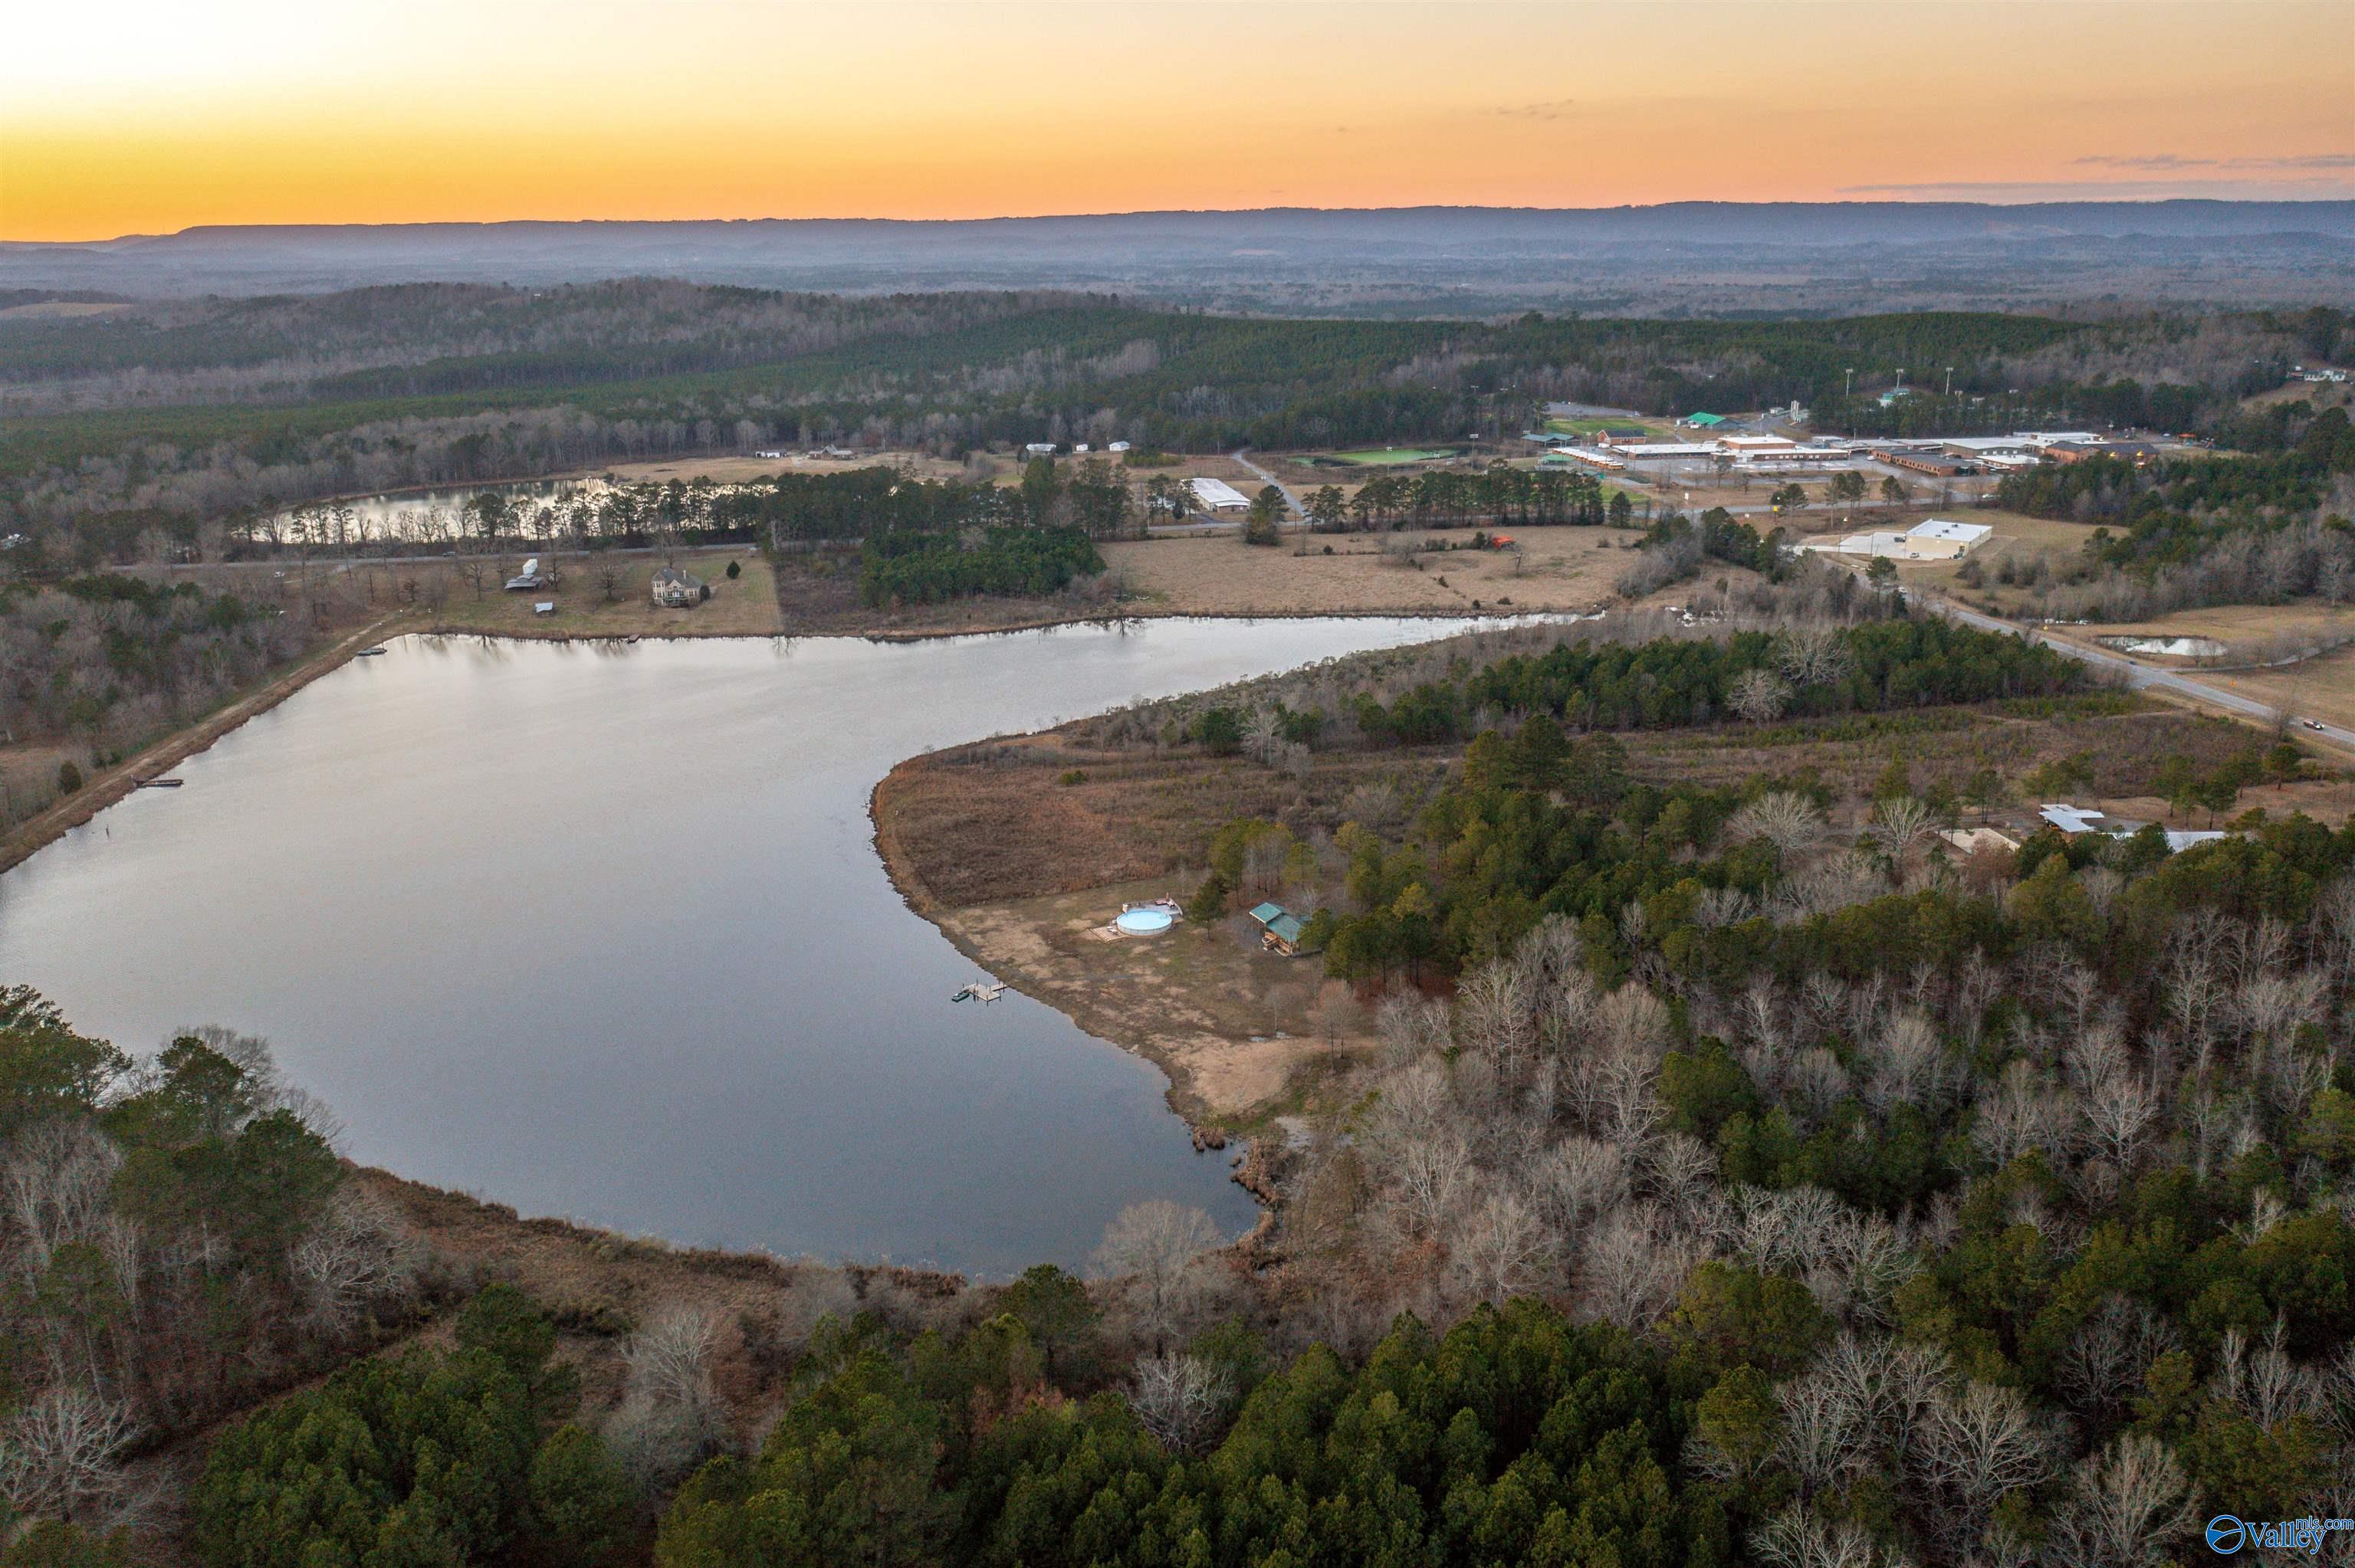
(600,931)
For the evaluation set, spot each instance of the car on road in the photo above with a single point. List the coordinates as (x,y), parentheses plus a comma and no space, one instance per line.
(2312,723)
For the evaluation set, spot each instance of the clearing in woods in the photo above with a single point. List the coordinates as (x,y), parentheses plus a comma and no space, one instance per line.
(600,595)
(1217,574)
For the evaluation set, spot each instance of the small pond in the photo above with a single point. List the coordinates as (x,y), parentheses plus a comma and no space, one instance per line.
(2172,647)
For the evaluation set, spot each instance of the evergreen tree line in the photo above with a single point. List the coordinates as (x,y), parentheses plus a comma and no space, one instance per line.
(944,379)
(923,568)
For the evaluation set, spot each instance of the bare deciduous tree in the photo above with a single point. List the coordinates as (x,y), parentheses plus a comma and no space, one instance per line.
(1814,654)
(1631,1267)
(1179,1399)
(60,1455)
(1264,735)
(1981,1442)
(1502,1250)
(670,1414)
(1759,695)
(55,1180)
(1797,1539)
(1157,1244)
(1898,824)
(2107,1359)
(356,1256)
(2130,1504)
(1789,822)
(1496,1010)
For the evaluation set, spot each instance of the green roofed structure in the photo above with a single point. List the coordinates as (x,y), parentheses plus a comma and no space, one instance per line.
(1280,928)
(1704,421)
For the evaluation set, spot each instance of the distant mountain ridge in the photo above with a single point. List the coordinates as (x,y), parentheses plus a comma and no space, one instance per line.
(1443,256)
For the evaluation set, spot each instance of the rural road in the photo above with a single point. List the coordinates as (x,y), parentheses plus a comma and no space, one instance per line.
(2139,677)
(1290,500)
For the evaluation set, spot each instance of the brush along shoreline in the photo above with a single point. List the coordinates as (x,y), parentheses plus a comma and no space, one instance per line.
(103,788)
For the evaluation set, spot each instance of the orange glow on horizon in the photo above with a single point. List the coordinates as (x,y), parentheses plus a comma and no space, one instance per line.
(270,111)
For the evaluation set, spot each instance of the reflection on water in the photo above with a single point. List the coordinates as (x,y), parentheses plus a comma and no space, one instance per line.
(600,930)
(424,516)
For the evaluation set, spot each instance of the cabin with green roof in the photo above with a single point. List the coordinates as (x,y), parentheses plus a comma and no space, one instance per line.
(1280,928)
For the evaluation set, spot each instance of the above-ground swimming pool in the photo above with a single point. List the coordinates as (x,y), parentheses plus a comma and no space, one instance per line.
(1143,922)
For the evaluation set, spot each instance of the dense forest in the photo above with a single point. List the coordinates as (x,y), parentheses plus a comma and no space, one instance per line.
(2258,529)
(98,665)
(518,383)
(1873,1143)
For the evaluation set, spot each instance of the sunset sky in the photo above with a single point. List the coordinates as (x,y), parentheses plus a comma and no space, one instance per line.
(147,116)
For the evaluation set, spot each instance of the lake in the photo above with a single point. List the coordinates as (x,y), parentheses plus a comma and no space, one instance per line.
(599,931)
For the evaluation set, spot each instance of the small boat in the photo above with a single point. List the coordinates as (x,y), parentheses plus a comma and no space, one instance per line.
(159,783)
(369,653)
(981,991)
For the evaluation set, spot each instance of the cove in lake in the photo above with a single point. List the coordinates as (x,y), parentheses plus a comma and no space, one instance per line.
(599,931)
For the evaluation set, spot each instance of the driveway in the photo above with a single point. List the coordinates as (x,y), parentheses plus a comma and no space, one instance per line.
(1290,500)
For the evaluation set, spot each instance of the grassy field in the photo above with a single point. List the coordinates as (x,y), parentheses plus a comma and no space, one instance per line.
(1557,569)
(2321,688)
(1385,456)
(586,606)
(2017,537)
(2239,625)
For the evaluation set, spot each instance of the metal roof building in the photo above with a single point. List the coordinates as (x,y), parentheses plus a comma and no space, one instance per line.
(1964,534)
(1217,496)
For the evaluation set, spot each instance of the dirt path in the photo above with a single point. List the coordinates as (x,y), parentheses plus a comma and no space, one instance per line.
(160,758)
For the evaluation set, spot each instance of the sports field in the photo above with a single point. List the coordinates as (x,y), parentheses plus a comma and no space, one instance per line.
(1381,457)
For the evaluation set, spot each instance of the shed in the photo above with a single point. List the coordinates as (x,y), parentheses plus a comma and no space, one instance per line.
(675,590)
(1280,928)
(1704,421)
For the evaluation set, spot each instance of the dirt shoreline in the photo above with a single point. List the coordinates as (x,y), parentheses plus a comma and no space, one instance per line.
(1046,623)
(36,832)
(1104,1023)
(1178,1001)
(1255,1174)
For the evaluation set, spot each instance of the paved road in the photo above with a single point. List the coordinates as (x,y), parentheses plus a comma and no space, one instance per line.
(1290,500)
(2139,677)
